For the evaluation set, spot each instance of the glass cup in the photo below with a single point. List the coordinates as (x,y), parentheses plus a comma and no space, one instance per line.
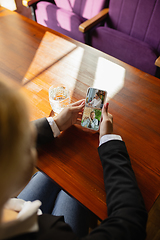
(59,98)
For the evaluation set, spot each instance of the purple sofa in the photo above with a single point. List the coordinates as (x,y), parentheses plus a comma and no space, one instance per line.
(131,33)
(65,16)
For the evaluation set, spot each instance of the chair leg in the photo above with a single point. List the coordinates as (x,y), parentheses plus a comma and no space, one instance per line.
(157,72)
(33,14)
(87,38)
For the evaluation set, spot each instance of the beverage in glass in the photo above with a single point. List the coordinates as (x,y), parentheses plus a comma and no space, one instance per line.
(59,98)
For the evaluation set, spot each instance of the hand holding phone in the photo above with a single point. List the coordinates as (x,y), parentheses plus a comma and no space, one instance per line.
(95,99)
(106,122)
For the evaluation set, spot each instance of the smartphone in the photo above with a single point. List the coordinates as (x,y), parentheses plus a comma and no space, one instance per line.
(95,99)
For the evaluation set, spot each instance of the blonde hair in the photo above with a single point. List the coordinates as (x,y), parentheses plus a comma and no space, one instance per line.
(13,128)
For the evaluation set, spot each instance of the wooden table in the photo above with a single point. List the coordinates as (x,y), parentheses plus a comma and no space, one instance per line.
(38,58)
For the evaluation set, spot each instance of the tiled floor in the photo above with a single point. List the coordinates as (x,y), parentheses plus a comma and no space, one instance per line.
(153,224)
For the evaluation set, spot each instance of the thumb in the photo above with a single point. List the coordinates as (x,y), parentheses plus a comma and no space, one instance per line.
(105,110)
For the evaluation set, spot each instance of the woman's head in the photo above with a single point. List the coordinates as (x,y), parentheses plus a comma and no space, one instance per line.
(97,95)
(92,115)
(15,140)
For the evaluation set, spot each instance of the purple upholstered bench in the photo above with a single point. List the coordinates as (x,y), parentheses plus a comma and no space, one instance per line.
(65,16)
(131,32)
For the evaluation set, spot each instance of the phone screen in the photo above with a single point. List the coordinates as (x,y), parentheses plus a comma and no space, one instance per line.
(95,99)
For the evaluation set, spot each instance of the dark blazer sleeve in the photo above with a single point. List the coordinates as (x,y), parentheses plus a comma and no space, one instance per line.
(44,131)
(127,215)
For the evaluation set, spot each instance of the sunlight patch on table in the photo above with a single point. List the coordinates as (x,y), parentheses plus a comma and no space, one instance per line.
(109,77)
(50,54)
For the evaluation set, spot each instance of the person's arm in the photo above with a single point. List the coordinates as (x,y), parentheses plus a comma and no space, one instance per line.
(99,101)
(44,131)
(86,121)
(127,215)
(47,130)
(91,102)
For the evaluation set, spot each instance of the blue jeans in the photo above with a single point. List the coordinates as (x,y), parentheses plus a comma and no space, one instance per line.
(55,201)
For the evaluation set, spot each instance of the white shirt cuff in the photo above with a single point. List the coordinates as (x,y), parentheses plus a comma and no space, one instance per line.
(53,125)
(109,137)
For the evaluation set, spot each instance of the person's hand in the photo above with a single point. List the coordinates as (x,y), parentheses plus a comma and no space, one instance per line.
(85,118)
(16,207)
(106,125)
(70,115)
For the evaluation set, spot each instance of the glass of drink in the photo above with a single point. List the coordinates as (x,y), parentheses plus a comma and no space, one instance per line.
(59,98)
